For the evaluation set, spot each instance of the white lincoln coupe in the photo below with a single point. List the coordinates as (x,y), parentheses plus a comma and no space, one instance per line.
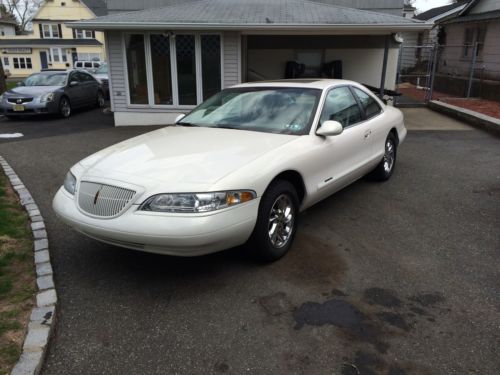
(238,169)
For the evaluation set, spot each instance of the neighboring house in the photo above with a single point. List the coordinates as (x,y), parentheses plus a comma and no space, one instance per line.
(417,46)
(478,24)
(165,61)
(52,44)
(7,27)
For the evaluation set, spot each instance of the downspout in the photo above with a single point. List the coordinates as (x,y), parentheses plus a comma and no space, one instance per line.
(384,66)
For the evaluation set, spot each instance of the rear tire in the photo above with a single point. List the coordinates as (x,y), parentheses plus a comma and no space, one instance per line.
(277,220)
(385,168)
(100,99)
(64,107)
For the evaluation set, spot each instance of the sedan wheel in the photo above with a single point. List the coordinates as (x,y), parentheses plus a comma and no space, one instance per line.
(385,168)
(276,222)
(100,99)
(64,108)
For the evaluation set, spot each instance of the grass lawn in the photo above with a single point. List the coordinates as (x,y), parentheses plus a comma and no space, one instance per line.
(17,276)
(11,84)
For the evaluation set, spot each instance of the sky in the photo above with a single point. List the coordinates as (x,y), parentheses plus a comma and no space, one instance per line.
(423,5)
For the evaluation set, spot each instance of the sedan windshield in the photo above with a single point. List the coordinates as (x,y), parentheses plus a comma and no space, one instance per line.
(279,110)
(103,69)
(46,79)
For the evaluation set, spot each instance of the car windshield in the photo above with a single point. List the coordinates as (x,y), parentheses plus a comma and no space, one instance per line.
(46,79)
(281,110)
(103,69)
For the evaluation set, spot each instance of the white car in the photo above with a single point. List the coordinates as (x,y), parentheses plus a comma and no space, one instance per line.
(237,169)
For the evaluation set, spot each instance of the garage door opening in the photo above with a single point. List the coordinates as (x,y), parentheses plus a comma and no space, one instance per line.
(355,57)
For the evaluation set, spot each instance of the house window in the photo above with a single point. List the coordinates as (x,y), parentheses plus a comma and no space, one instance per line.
(57,55)
(184,69)
(89,56)
(162,71)
(84,34)
(473,35)
(136,68)
(6,62)
(22,62)
(50,31)
(210,65)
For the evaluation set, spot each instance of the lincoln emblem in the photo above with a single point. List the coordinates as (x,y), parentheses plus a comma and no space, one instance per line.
(19,101)
(96,196)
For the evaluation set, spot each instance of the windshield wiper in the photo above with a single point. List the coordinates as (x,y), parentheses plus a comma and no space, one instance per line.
(228,127)
(186,124)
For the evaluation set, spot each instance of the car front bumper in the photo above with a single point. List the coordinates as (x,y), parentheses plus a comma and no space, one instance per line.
(30,108)
(172,234)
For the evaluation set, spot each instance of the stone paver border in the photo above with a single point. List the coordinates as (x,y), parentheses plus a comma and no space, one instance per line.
(42,316)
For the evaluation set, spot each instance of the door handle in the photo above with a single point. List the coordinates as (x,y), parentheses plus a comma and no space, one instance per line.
(368,133)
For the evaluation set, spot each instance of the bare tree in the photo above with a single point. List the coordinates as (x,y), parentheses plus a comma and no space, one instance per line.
(22,10)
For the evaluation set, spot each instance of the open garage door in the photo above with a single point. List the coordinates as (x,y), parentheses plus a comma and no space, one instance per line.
(355,57)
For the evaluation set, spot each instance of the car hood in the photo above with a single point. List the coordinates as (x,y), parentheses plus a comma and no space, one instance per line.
(101,76)
(181,157)
(31,90)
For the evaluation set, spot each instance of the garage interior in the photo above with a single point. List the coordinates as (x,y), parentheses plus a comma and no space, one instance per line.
(354,57)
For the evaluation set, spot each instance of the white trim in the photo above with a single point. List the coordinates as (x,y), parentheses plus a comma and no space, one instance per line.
(149,68)
(173,68)
(446,14)
(222,61)
(110,85)
(389,27)
(198,69)
(239,58)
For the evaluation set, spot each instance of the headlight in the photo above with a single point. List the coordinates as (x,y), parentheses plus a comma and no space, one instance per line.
(48,97)
(196,202)
(70,183)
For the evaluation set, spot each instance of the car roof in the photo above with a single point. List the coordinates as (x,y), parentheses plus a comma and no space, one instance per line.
(313,83)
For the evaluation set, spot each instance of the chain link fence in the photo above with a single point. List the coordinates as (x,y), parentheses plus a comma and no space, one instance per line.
(449,73)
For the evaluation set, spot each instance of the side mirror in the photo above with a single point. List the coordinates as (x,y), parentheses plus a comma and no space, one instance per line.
(329,128)
(73,84)
(179,118)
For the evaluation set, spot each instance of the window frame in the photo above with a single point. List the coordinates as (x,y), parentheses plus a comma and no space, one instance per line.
(364,115)
(83,34)
(173,67)
(360,107)
(4,60)
(51,31)
(22,62)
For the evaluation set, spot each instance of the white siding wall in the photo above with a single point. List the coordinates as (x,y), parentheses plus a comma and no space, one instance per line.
(117,76)
(232,58)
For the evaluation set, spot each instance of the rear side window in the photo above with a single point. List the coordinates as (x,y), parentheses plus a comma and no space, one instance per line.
(341,106)
(369,104)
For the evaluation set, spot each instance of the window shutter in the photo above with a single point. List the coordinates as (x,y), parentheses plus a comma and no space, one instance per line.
(93,34)
(60,30)
(74,33)
(41,30)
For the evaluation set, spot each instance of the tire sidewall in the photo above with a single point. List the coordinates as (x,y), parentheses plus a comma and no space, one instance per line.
(261,244)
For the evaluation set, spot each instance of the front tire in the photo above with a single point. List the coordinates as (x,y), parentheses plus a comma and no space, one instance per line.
(64,107)
(277,220)
(100,99)
(385,168)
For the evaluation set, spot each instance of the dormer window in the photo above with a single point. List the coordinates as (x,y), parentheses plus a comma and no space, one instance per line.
(84,34)
(50,31)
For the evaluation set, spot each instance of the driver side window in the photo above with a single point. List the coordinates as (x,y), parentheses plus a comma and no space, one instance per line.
(341,106)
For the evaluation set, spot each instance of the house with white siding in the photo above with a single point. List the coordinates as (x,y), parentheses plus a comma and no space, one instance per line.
(165,61)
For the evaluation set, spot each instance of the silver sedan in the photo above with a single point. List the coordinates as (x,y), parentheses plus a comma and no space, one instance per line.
(52,92)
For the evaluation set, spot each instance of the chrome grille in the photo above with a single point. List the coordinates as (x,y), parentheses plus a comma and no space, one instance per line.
(103,200)
(19,100)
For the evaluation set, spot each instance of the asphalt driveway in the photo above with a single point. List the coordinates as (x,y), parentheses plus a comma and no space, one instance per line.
(393,278)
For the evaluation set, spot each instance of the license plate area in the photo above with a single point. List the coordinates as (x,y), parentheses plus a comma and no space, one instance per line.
(18,108)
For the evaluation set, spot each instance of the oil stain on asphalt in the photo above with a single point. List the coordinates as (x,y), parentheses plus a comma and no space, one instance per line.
(380,315)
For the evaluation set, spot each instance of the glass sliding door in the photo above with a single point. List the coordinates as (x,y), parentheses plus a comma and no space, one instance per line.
(162,74)
(186,69)
(136,69)
(210,65)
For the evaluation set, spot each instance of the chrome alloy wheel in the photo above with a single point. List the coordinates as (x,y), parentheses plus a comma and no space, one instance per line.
(65,108)
(281,220)
(389,155)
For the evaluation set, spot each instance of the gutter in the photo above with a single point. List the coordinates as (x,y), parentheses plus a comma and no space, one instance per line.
(101,26)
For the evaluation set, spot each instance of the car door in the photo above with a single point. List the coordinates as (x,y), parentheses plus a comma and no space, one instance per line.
(75,91)
(373,116)
(344,157)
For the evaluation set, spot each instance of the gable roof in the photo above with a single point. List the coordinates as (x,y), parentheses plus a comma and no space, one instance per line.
(98,7)
(250,14)
(439,11)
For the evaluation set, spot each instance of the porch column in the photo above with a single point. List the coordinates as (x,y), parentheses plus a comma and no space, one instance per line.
(384,65)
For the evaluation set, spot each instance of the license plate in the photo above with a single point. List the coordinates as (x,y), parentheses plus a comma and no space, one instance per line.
(18,108)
